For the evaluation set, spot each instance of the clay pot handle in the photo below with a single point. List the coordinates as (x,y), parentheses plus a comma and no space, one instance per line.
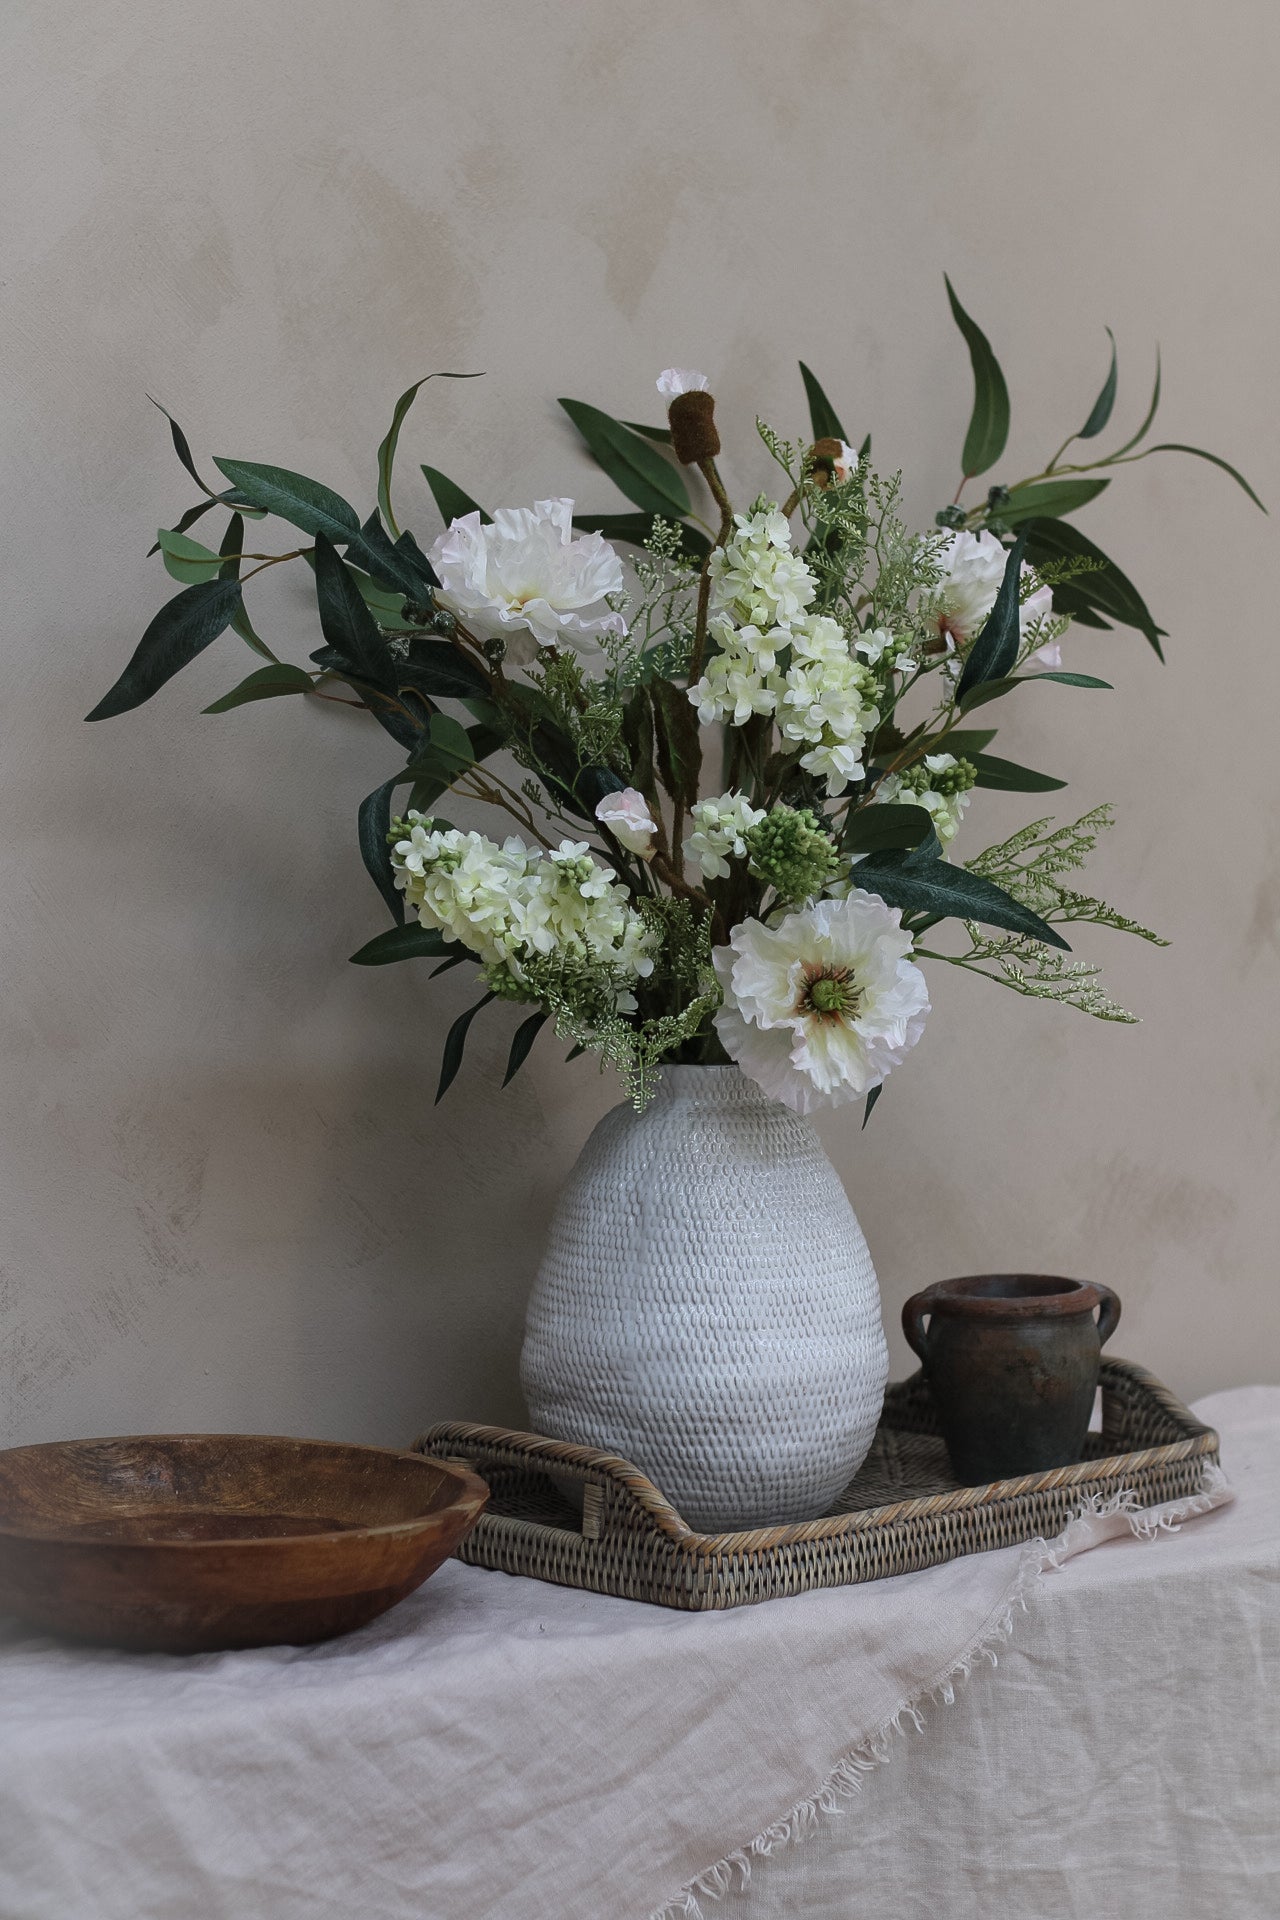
(1109,1312)
(914,1313)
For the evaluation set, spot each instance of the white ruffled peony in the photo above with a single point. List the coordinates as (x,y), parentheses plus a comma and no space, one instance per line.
(527,574)
(627,816)
(673,381)
(820,1008)
(975,564)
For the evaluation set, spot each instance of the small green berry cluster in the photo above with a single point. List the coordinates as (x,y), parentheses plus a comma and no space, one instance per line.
(428,617)
(790,851)
(957,778)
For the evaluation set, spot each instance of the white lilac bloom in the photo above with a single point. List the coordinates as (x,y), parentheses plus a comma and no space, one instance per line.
(526,573)
(626,815)
(718,833)
(509,903)
(974,566)
(940,784)
(819,1009)
(826,703)
(673,381)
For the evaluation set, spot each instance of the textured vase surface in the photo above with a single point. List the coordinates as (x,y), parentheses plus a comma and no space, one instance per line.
(707,1306)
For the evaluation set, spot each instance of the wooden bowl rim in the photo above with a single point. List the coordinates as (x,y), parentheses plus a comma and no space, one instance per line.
(471,1495)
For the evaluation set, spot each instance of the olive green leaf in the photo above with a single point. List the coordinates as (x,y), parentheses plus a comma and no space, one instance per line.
(185,559)
(268,683)
(387,451)
(452,502)
(822,415)
(522,1044)
(455,1045)
(993,653)
(631,461)
(1008,777)
(1101,410)
(1048,498)
(183,628)
(937,888)
(989,422)
(410,942)
(886,824)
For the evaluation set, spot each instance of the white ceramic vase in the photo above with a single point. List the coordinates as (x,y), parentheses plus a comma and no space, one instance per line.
(707,1306)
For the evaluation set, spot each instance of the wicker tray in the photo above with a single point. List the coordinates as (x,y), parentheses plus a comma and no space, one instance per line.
(588,1519)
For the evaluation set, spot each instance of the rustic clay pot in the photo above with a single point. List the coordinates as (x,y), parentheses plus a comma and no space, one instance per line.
(1012,1363)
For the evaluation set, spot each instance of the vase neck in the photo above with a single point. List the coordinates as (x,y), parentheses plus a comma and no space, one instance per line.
(708,1087)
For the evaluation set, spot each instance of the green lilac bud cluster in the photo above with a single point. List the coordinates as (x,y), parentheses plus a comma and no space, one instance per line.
(790,851)
(957,778)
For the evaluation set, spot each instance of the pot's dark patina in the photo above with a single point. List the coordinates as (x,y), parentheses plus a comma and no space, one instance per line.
(1012,1361)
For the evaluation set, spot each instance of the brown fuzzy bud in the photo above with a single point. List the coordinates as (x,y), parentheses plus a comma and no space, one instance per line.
(693,428)
(823,457)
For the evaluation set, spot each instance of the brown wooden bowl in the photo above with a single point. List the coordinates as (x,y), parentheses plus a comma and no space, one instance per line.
(184,1543)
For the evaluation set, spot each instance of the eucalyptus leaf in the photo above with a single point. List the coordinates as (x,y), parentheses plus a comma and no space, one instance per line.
(1006,776)
(1048,498)
(678,742)
(522,1044)
(387,451)
(1103,590)
(398,566)
(823,417)
(1145,428)
(441,671)
(182,448)
(373,828)
(412,941)
(230,554)
(631,462)
(993,653)
(183,628)
(186,559)
(1106,400)
(452,502)
(346,622)
(963,741)
(886,824)
(268,683)
(661,436)
(996,689)
(455,1044)
(872,1097)
(1176,446)
(988,429)
(937,888)
(304,503)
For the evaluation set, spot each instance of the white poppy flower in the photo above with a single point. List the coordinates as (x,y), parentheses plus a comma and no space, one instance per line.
(629,820)
(526,573)
(975,564)
(820,1008)
(673,381)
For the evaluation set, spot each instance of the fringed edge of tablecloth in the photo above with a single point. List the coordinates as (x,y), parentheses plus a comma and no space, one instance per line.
(846,1777)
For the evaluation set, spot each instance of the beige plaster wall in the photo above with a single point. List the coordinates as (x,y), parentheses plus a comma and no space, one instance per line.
(227,1200)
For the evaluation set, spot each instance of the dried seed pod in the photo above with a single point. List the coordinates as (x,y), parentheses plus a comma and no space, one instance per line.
(693,428)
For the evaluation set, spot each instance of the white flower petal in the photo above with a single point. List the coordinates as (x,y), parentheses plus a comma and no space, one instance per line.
(673,381)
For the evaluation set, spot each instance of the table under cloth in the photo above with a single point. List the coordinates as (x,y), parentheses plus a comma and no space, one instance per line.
(500,1749)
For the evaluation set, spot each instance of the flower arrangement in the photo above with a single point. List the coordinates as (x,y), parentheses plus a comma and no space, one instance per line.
(739,761)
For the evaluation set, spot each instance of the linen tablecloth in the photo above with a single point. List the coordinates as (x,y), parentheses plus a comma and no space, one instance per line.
(499,1749)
